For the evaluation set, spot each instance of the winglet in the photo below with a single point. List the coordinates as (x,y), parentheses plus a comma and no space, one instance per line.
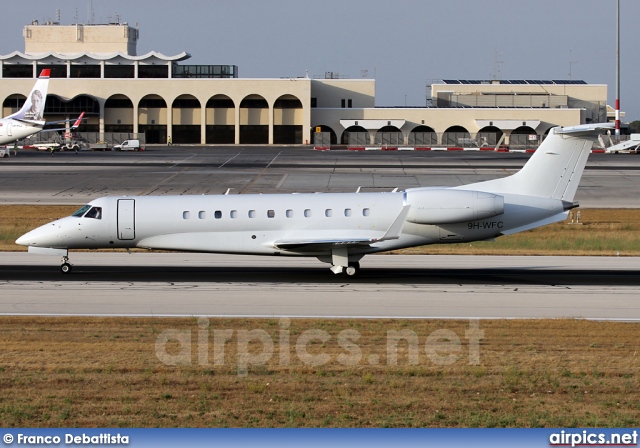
(78,121)
(394,231)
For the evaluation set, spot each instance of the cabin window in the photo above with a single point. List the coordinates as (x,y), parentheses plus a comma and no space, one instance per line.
(217,214)
(271,213)
(186,215)
(347,212)
(252,213)
(289,213)
(202,215)
(328,213)
(366,212)
(234,214)
(307,213)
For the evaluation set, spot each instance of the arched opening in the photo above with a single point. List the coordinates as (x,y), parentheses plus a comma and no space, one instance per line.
(524,137)
(118,114)
(12,104)
(423,136)
(287,120)
(355,136)
(152,118)
(329,135)
(489,136)
(455,136)
(185,127)
(389,135)
(220,115)
(254,120)
(523,130)
(58,109)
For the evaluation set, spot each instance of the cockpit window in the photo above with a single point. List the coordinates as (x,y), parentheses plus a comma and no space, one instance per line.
(82,211)
(95,213)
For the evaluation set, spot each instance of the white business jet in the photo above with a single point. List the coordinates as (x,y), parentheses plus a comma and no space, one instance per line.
(337,228)
(29,119)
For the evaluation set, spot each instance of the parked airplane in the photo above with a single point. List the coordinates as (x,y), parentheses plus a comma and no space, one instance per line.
(337,228)
(29,119)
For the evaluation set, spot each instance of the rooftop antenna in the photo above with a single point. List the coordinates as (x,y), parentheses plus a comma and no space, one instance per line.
(496,66)
(570,65)
(364,73)
(58,15)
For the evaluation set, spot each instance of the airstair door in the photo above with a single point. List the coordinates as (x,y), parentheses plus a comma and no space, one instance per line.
(126,219)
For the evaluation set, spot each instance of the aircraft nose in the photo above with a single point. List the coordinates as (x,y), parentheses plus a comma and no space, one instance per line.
(23,240)
(42,236)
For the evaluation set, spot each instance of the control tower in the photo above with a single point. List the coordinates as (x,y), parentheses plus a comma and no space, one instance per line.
(51,37)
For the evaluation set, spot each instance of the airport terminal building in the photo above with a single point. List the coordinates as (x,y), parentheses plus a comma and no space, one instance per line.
(96,69)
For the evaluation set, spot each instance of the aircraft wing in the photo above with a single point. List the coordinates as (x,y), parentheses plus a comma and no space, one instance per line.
(33,123)
(76,123)
(311,245)
(321,244)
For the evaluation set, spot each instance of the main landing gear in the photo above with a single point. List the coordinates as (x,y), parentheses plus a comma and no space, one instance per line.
(66,266)
(341,264)
(350,271)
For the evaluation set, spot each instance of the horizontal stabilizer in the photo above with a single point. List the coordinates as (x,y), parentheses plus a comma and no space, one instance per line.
(582,130)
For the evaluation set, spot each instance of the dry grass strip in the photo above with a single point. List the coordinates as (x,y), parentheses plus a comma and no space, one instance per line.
(106,372)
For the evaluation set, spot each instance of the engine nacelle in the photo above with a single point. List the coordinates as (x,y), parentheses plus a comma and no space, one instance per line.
(443,206)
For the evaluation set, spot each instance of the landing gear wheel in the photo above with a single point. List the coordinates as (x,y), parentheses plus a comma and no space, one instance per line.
(352,270)
(65,268)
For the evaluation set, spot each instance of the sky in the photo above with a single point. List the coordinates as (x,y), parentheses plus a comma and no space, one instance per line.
(404,44)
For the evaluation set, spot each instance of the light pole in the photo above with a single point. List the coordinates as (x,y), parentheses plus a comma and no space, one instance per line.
(618,75)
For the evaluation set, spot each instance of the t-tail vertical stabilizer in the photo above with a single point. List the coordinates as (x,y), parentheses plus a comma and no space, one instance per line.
(554,170)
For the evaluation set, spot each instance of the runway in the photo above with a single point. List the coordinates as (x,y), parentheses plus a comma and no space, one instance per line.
(390,286)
